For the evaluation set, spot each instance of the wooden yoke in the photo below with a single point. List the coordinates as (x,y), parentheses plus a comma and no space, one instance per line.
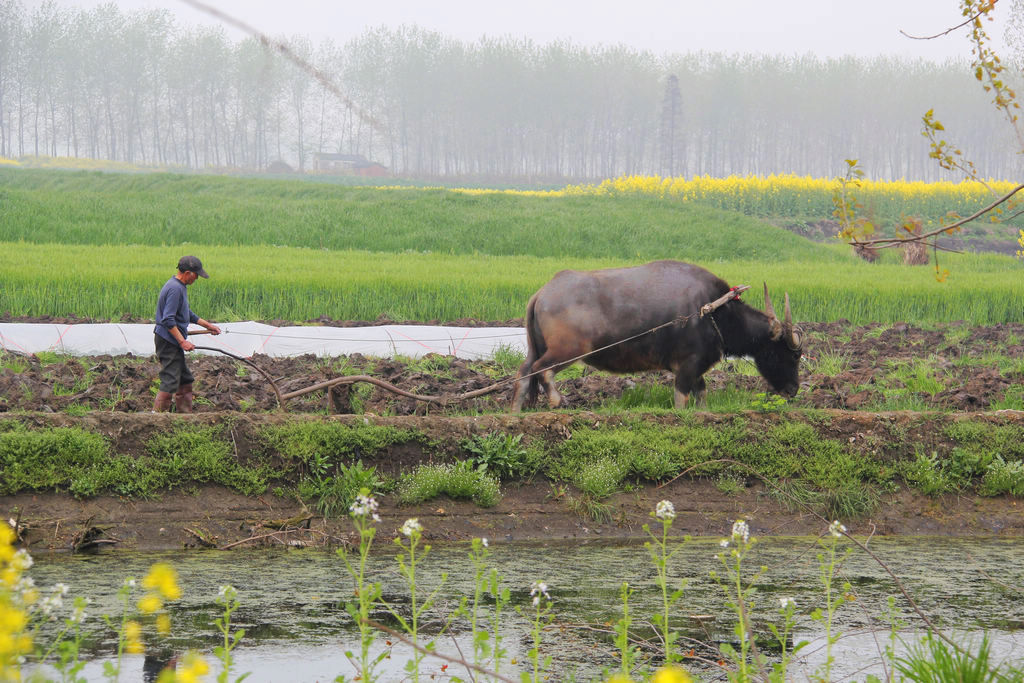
(722,300)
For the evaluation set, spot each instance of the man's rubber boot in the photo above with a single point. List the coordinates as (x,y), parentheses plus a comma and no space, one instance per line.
(162,403)
(183,399)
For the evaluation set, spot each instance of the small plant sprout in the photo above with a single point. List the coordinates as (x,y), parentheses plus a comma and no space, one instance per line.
(541,601)
(363,512)
(739,592)
(828,567)
(787,609)
(478,555)
(227,598)
(627,652)
(660,555)
(409,556)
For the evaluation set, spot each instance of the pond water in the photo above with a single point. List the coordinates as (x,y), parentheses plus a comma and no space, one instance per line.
(297,628)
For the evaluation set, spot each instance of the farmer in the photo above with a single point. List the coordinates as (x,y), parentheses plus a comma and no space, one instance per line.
(172,320)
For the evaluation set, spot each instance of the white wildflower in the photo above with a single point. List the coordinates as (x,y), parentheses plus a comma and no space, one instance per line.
(365,506)
(724,543)
(538,589)
(78,614)
(412,526)
(786,602)
(129,582)
(836,529)
(484,542)
(21,560)
(51,603)
(665,510)
(740,530)
(61,588)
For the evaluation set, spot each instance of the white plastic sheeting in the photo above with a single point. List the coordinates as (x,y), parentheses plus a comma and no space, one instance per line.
(250,338)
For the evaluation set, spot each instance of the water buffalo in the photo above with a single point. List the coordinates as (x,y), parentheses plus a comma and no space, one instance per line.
(579,312)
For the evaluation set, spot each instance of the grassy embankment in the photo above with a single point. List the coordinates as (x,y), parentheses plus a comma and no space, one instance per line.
(800,456)
(94,245)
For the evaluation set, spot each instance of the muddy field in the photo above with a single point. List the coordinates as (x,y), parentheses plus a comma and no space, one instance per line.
(949,368)
(851,372)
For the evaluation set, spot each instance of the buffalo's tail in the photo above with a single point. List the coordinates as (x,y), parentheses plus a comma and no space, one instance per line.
(527,390)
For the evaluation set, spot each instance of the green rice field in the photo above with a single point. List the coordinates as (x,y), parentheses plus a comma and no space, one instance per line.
(100,245)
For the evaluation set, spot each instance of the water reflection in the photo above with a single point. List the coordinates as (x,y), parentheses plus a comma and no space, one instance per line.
(296,626)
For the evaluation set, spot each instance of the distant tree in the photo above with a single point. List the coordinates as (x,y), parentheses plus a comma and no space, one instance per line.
(671,124)
(10,37)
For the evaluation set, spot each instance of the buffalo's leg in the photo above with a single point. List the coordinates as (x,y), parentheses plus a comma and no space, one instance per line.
(687,389)
(522,389)
(680,400)
(547,379)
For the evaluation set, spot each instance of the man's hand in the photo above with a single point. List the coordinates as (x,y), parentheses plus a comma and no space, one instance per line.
(187,345)
(213,329)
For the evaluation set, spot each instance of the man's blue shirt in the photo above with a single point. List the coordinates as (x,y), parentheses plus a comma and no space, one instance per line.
(172,310)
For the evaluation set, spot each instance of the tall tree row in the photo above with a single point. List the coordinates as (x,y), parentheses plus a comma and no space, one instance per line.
(141,88)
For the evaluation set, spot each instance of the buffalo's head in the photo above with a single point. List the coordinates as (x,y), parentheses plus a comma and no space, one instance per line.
(778,360)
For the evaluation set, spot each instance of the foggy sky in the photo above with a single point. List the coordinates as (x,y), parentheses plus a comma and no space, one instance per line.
(827,28)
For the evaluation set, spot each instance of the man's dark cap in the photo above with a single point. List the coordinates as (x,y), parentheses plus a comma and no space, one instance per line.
(191,263)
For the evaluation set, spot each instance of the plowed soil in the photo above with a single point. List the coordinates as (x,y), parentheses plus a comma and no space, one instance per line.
(116,393)
(960,379)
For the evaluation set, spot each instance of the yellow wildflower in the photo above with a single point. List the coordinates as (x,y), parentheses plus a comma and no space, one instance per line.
(133,637)
(192,670)
(671,674)
(164,579)
(620,678)
(150,603)
(12,619)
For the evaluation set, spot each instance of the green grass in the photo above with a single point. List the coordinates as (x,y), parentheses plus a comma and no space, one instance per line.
(168,209)
(293,250)
(268,283)
(320,447)
(81,462)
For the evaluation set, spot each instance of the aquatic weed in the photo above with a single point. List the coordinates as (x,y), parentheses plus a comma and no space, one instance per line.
(364,513)
(413,531)
(657,548)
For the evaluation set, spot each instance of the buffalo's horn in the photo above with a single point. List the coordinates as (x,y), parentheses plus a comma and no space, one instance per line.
(792,334)
(768,308)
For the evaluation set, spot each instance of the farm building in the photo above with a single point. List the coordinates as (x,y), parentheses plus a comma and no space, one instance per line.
(347,164)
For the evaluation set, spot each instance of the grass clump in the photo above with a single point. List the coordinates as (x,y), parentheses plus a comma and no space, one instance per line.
(507,358)
(50,458)
(823,474)
(12,362)
(504,455)
(198,454)
(334,494)
(80,462)
(461,481)
(319,445)
(1003,477)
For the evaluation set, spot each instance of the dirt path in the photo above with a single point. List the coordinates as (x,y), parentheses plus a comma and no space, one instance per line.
(216,517)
